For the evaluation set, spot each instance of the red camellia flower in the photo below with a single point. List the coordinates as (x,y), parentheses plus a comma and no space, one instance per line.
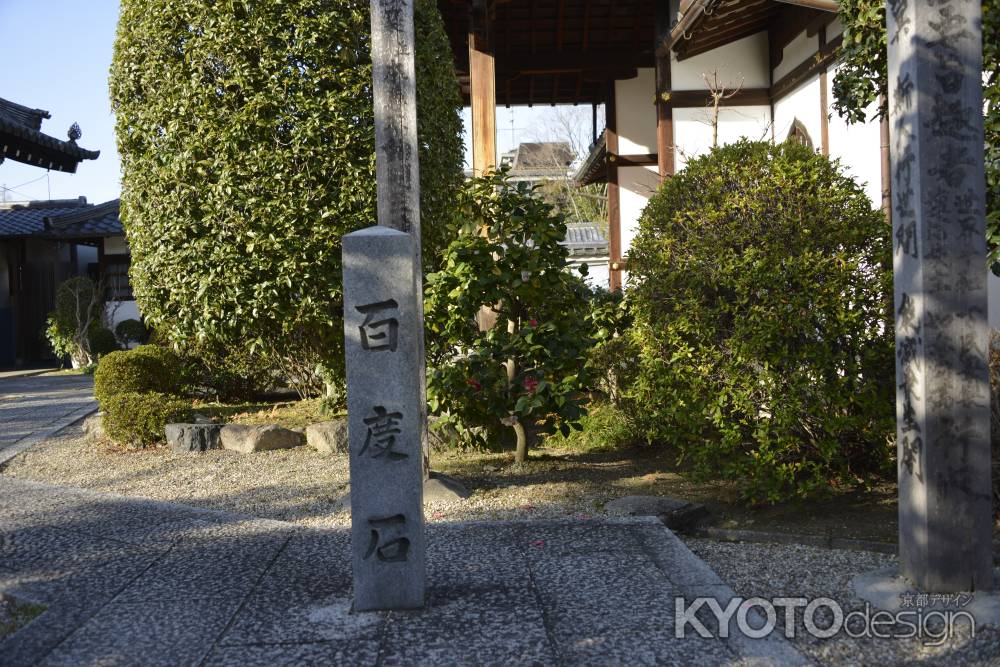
(472,382)
(534,322)
(530,384)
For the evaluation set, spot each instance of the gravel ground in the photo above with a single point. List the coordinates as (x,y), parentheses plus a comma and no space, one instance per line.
(300,485)
(772,570)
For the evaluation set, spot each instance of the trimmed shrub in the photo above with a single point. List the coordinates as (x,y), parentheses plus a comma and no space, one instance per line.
(79,306)
(761,285)
(131,331)
(228,374)
(246,134)
(147,368)
(138,419)
(101,341)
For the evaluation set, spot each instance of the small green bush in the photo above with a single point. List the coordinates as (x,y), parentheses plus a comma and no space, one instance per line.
(131,331)
(230,375)
(79,307)
(761,283)
(147,368)
(102,342)
(138,419)
(604,427)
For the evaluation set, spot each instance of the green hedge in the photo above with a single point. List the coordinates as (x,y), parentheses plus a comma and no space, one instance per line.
(147,368)
(139,419)
(761,285)
(246,134)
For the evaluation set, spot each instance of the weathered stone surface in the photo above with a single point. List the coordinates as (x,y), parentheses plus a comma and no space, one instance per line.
(938,216)
(193,437)
(246,438)
(329,437)
(93,426)
(675,514)
(383,330)
(441,488)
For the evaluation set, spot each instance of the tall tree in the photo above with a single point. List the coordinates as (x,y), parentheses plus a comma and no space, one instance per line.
(246,132)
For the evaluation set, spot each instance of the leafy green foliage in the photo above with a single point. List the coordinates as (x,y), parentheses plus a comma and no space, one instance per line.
(131,331)
(246,132)
(147,368)
(761,288)
(79,308)
(101,341)
(862,80)
(603,428)
(528,369)
(139,419)
(228,374)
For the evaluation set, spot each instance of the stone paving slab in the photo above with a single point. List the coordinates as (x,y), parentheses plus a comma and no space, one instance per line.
(33,408)
(130,581)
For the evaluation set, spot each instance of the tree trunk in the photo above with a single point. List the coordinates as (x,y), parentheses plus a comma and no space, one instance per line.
(521,453)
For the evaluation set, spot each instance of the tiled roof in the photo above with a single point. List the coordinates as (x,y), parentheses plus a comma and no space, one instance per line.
(64,219)
(585,238)
(93,221)
(22,140)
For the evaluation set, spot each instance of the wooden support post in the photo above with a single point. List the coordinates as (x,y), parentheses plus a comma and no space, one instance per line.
(824,101)
(886,168)
(482,74)
(614,201)
(664,105)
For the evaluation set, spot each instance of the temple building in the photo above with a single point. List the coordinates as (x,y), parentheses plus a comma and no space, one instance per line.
(654,65)
(23,140)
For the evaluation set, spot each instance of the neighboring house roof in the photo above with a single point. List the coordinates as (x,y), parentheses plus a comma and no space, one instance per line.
(94,221)
(22,140)
(539,160)
(60,218)
(595,168)
(585,239)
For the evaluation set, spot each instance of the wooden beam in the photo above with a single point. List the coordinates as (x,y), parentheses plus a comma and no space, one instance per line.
(824,102)
(482,93)
(886,166)
(664,103)
(747,97)
(614,196)
(820,60)
(637,160)
(822,5)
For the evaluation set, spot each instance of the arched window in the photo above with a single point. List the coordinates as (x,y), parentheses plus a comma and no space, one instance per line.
(800,134)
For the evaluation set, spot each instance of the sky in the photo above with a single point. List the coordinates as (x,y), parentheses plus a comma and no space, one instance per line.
(64,70)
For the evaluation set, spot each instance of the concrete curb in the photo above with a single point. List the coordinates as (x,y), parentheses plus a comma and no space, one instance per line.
(14,375)
(26,443)
(818,541)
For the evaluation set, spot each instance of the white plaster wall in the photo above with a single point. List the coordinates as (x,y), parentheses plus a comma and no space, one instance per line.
(635,110)
(745,61)
(115,245)
(637,185)
(795,53)
(833,29)
(126,310)
(859,148)
(801,103)
(693,129)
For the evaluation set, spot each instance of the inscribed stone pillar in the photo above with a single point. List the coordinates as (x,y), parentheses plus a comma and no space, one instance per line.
(397,163)
(382,332)
(939,250)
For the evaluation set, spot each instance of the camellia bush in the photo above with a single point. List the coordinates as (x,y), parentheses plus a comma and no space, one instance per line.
(246,133)
(528,370)
(760,282)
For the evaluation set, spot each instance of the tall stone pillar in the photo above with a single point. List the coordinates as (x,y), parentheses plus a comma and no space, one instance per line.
(384,356)
(939,251)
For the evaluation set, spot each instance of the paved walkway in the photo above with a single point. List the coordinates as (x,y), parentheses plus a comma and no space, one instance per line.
(138,582)
(34,408)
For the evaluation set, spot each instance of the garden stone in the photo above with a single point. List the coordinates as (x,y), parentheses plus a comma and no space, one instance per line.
(329,437)
(247,438)
(674,513)
(93,426)
(441,488)
(184,438)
